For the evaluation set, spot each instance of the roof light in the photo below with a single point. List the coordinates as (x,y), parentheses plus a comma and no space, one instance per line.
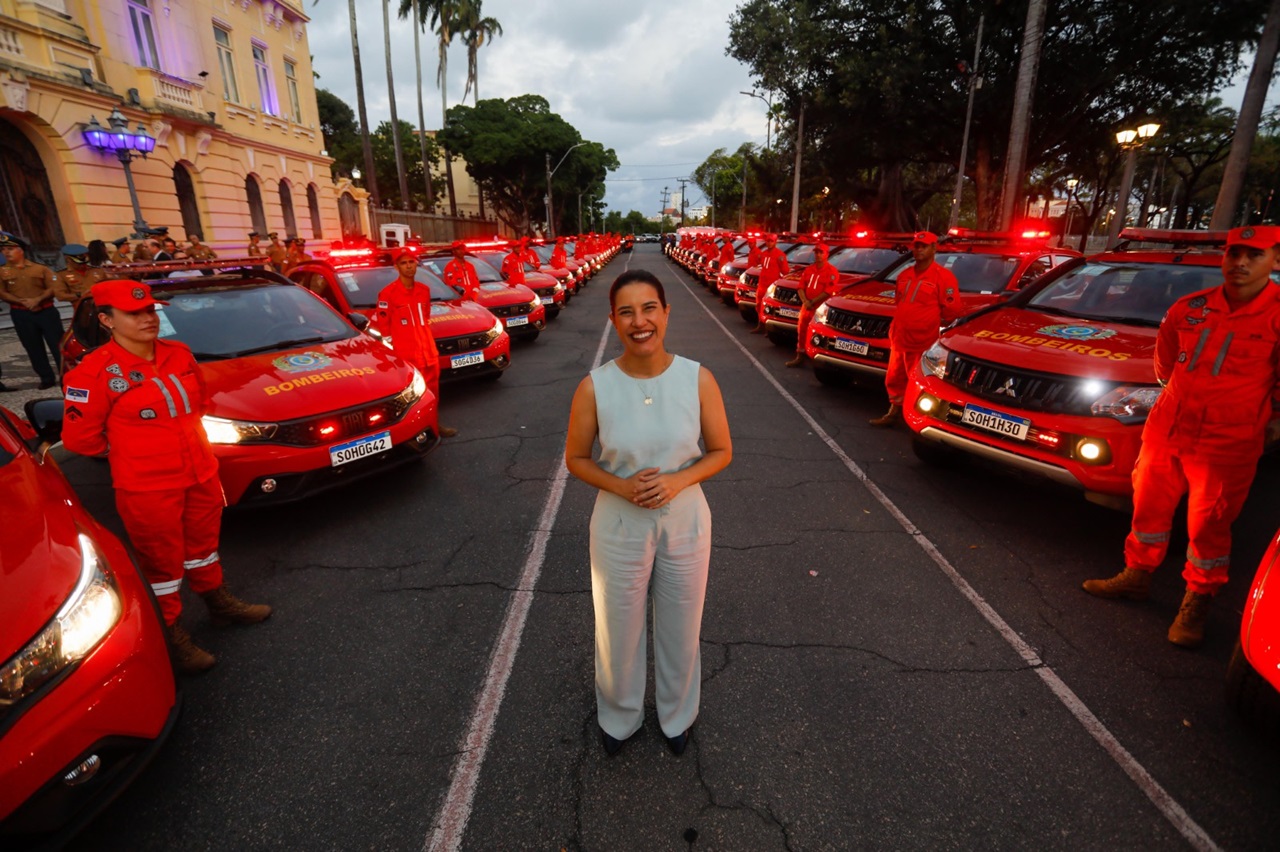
(1184,238)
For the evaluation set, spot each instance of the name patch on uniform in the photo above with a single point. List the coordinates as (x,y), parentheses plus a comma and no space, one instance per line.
(302,362)
(118,385)
(147,414)
(77,394)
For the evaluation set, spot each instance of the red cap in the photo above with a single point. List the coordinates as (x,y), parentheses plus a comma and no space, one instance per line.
(401,253)
(458,244)
(927,237)
(1254,236)
(123,294)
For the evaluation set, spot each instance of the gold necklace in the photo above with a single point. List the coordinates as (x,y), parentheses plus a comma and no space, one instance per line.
(648,394)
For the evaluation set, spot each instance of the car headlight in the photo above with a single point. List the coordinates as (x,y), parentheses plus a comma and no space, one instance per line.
(1126,401)
(559,288)
(223,431)
(820,315)
(934,360)
(83,620)
(495,331)
(726,269)
(417,387)
(769,291)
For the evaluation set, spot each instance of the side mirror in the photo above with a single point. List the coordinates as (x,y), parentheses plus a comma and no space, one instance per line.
(45,416)
(359,320)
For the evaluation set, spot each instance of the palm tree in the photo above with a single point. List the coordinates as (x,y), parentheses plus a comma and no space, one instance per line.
(364,114)
(422,124)
(391,94)
(444,18)
(476,31)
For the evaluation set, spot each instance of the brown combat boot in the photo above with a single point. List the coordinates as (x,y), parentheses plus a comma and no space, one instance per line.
(1130,583)
(446,431)
(188,657)
(1187,629)
(759,329)
(797,361)
(892,417)
(225,608)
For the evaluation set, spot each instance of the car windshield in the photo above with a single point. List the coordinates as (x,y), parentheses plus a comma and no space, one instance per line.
(975,273)
(801,253)
(1138,293)
(544,252)
(362,286)
(486,273)
(863,261)
(234,320)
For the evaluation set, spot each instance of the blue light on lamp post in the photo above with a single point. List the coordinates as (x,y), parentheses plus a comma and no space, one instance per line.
(117,139)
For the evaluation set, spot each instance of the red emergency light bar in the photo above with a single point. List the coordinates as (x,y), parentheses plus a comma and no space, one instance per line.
(1026,234)
(129,270)
(352,253)
(1172,237)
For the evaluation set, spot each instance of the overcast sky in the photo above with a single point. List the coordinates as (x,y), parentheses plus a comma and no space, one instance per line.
(648,79)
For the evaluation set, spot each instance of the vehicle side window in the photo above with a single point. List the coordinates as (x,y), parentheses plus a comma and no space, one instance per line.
(1062,258)
(1037,268)
(316,283)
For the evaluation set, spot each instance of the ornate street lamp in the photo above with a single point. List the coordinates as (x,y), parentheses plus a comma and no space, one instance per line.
(1072,183)
(1130,141)
(117,139)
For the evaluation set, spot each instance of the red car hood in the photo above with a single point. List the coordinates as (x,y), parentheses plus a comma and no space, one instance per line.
(498,294)
(39,555)
(304,382)
(869,297)
(458,317)
(1056,344)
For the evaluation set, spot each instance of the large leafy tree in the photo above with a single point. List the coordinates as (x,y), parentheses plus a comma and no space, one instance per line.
(505,144)
(445,18)
(341,132)
(388,170)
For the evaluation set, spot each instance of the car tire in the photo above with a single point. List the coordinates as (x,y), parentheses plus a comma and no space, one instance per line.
(930,453)
(748,315)
(529,338)
(494,376)
(727,298)
(832,377)
(778,338)
(1250,695)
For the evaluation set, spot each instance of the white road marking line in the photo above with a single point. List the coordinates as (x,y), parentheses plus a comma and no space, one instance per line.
(451,823)
(1196,836)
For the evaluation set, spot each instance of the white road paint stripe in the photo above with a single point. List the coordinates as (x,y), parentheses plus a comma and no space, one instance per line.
(1196,836)
(451,823)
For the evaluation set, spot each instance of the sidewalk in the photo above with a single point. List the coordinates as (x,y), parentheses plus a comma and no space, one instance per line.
(18,375)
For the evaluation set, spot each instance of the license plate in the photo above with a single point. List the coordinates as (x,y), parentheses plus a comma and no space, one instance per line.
(994,421)
(853,347)
(466,360)
(521,320)
(359,449)
(548,300)
(789,313)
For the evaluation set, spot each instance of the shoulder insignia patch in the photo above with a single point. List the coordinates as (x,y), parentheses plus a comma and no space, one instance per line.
(135,376)
(77,394)
(114,369)
(73,413)
(1197,302)
(118,385)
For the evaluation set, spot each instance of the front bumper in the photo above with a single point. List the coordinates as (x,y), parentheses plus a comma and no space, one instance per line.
(827,346)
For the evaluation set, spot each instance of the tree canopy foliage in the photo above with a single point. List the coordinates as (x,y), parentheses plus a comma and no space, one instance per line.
(885,94)
(505,144)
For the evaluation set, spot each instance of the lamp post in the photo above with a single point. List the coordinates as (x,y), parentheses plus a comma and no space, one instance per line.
(117,139)
(768,122)
(356,174)
(551,225)
(974,83)
(1130,141)
(1072,183)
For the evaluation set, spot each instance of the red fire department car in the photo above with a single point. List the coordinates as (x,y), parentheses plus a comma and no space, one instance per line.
(726,280)
(521,311)
(850,332)
(551,291)
(86,687)
(572,275)
(1059,380)
(744,295)
(299,399)
(1253,677)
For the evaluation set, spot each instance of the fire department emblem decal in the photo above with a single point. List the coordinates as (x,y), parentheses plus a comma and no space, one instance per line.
(1076,332)
(135,376)
(139,293)
(302,362)
(888,294)
(118,385)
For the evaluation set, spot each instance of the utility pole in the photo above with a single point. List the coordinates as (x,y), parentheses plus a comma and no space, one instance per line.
(1255,94)
(662,211)
(579,212)
(795,181)
(713,199)
(551,228)
(974,82)
(742,211)
(1024,89)
(683,199)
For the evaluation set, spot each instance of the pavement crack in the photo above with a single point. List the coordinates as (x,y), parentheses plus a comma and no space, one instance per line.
(493,584)
(899,665)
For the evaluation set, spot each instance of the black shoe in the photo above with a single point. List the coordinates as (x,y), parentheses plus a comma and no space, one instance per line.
(45,385)
(678,744)
(611,745)
(5,388)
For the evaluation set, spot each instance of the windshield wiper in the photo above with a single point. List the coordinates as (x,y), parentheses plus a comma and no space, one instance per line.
(210,356)
(1135,320)
(283,344)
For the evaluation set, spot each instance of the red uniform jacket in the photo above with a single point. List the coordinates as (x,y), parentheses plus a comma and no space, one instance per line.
(818,280)
(513,268)
(726,255)
(145,415)
(461,274)
(753,256)
(924,301)
(404,316)
(559,259)
(773,265)
(531,257)
(1221,372)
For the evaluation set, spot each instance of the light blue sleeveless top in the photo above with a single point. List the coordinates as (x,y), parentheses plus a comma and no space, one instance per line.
(663,433)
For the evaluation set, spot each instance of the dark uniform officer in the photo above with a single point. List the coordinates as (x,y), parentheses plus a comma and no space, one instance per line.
(254,250)
(121,254)
(74,282)
(276,252)
(28,288)
(198,250)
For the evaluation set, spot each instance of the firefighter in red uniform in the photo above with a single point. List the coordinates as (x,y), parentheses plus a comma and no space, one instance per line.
(926,296)
(818,283)
(726,253)
(529,255)
(138,400)
(513,266)
(559,259)
(753,253)
(458,273)
(773,265)
(403,317)
(1218,359)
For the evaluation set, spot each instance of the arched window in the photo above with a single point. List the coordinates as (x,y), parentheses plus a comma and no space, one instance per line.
(186,193)
(286,206)
(313,205)
(254,195)
(349,215)
(26,196)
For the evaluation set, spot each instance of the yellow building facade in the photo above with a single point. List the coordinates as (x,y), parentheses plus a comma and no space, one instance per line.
(225,87)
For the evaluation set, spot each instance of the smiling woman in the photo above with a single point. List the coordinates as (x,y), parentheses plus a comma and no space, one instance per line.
(648,409)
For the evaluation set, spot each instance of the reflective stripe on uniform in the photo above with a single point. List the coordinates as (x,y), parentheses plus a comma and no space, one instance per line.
(1195,357)
(168,397)
(166,588)
(200,563)
(182,392)
(1208,564)
(1222,353)
(1152,538)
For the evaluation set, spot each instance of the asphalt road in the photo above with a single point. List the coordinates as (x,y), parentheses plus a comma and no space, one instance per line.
(865,681)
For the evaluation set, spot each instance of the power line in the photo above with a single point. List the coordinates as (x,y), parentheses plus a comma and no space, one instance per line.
(638,180)
(655,165)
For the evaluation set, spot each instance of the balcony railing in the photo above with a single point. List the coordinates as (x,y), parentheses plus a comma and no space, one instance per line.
(167,90)
(10,42)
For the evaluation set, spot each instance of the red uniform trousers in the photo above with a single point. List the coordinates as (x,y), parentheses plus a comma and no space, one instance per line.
(1215,494)
(802,329)
(175,534)
(902,362)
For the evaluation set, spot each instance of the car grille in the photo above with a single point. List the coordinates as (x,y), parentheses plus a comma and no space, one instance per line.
(511,310)
(752,280)
(1023,389)
(543,292)
(467,343)
(786,295)
(861,325)
(349,423)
